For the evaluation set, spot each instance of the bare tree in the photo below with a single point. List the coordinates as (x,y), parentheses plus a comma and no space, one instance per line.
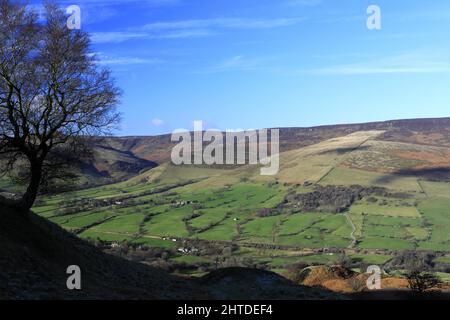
(52,93)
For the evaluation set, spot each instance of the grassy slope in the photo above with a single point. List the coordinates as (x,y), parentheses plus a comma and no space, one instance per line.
(230,200)
(36,253)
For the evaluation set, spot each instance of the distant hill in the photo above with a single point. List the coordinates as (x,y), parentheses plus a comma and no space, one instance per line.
(112,162)
(434,131)
(120,158)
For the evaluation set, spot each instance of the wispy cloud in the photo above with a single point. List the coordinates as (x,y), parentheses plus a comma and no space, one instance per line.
(223,23)
(425,15)
(124,60)
(191,28)
(95,11)
(242,63)
(399,64)
(116,2)
(303,3)
(115,37)
(122,36)
(180,34)
(367,69)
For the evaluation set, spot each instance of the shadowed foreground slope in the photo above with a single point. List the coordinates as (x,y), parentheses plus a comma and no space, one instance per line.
(35,254)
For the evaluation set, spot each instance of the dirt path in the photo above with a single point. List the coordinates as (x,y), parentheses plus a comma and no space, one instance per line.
(304,250)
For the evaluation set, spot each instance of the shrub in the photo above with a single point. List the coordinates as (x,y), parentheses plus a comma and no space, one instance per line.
(421,282)
(357,284)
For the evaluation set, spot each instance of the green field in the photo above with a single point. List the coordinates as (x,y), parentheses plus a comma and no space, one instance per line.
(436,214)
(239,207)
(443,260)
(178,208)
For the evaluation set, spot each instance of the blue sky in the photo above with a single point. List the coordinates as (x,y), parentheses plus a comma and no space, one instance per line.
(240,64)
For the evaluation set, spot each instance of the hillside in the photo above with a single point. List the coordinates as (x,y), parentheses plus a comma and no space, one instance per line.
(157,149)
(363,193)
(360,194)
(420,131)
(35,254)
(120,158)
(107,165)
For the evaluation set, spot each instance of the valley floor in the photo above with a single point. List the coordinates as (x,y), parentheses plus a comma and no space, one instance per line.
(204,217)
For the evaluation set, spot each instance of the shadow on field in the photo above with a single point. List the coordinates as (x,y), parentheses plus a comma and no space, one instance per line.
(441,174)
(342,151)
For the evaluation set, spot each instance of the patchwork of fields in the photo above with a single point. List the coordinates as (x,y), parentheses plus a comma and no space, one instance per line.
(238,206)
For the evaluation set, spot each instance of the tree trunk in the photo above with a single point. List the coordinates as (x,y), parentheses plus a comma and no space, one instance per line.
(30,195)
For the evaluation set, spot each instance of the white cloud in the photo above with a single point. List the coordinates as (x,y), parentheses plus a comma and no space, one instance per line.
(242,63)
(157,122)
(416,62)
(223,23)
(104,59)
(179,34)
(115,37)
(365,70)
(155,3)
(95,11)
(127,61)
(190,28)
(304,3)
(118,37)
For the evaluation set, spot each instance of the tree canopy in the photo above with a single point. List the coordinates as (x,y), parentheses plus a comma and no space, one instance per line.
(52,92)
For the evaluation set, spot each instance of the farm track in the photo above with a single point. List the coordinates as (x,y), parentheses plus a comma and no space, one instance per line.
(303,251)
(350,221)
(352,234)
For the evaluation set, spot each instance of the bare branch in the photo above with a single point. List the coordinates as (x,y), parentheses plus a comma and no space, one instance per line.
(52,91)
